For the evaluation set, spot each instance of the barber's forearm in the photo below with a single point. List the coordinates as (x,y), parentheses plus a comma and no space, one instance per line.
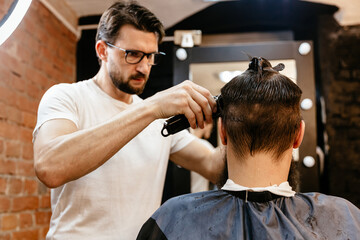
(198,157)
(71,156)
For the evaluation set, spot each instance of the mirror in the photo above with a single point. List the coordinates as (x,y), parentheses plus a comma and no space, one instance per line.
(213,76)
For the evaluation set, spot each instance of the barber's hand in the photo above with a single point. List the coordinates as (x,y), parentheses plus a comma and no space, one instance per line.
(187,98)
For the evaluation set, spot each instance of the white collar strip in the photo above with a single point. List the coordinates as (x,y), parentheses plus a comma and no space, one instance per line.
(284,189)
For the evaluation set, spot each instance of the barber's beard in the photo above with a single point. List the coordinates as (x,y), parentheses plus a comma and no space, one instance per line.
(224,175)
(294,176)
(124,85)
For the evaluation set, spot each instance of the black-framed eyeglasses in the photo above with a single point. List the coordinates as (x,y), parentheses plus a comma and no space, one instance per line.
(135,56)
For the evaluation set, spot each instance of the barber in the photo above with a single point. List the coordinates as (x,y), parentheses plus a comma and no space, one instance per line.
(98,146)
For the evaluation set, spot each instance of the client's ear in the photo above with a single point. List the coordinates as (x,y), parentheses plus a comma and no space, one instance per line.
(222,132)
(300,135)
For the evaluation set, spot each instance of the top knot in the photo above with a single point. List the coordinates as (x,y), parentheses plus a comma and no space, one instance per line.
(259,64)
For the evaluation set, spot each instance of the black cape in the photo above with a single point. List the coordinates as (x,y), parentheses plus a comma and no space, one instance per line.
(223,214)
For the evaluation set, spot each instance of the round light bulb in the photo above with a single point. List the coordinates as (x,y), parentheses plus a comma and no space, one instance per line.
(304,48)
(306,104)
(181,54)
(309,161)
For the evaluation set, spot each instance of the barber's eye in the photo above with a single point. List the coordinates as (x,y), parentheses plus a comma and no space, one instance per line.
(134,54)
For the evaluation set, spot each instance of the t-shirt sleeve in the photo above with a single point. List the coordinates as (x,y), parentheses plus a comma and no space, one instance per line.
(181,140)
(57,103)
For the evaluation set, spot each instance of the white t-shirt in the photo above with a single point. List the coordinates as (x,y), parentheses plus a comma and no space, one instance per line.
(113,201)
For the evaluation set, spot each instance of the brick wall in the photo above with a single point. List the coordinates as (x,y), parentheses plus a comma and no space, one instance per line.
(40,53)
(339,58)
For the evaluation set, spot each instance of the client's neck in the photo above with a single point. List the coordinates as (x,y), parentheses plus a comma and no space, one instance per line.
(259,170)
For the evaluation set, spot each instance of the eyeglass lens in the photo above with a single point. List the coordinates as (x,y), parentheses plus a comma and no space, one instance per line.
(136,56)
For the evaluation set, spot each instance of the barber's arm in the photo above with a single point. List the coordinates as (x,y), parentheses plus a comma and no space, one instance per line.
(198,157)
(63,153)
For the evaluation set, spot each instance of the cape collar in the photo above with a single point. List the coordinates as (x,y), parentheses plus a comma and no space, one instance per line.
(284,189)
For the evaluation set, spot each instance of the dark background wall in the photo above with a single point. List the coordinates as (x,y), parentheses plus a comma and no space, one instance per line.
(338,59)
(337,73)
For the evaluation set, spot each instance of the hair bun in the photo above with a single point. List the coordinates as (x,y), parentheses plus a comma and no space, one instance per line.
(259,64)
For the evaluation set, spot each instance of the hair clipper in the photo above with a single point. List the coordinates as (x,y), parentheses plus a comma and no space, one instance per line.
(179,122)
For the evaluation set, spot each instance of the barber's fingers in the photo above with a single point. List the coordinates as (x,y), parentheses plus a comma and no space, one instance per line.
(204,100)
(197,119)
(189,114)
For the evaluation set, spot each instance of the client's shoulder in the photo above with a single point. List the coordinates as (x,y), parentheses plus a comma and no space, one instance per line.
(190,201)
(325,202)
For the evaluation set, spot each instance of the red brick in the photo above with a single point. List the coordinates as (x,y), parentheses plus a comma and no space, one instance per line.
(7,166)
(33,90)
(33,43)
(13,114)
(7,96)
(13,149)
(6,75)
(43,232)
(15,186)
(33,76)
(18,83)
(43,218)
(24,53)
(26,135)
(1,146)
(25,220)
(11,63)
(3,114)
(9,44)
(25,168)
(43,36)
(26,235)
(27,104)
(25,203)
(28,24)
(3,94)
(31,187)
(48,54)
(9,130)
(59,64)
(5,236)
(9,222)
(69,71)
(19,36)
(45,201)
(4,204)
(3,184)
(48,68)
(27,151)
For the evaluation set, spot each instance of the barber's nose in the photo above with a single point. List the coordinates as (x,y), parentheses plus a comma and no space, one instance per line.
(144,66)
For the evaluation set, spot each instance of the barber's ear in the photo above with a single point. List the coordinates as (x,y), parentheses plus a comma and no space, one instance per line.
(300,135)
(222,132)
(101,50)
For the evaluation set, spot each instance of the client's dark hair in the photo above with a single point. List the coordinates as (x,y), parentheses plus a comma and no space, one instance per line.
(261,110)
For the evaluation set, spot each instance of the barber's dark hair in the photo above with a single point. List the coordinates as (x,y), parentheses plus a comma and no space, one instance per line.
(121,13)
(261,110)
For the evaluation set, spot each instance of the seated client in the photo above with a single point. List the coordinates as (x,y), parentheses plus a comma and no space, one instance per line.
(260,125)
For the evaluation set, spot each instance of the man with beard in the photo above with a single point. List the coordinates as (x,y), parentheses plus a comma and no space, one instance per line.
(99,146)
(260,125)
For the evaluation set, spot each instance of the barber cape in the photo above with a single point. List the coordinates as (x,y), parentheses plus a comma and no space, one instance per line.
(237,212)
